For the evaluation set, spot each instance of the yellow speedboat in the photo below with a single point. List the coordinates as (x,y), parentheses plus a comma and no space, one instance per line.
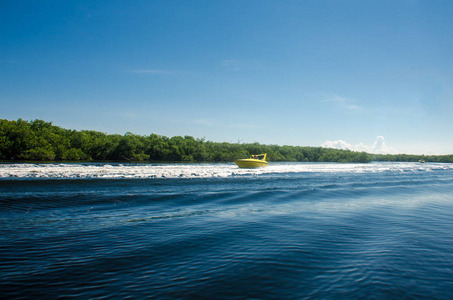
(256,161)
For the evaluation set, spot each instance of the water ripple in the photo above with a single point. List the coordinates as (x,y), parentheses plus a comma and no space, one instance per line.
(291,231)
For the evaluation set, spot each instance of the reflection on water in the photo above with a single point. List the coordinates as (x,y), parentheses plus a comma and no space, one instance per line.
(209,231)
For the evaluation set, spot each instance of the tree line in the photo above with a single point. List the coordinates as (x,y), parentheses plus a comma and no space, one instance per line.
(39,140)
(413,158)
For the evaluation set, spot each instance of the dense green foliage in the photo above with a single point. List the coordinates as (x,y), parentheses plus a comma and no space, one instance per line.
(40,140)
(413,158)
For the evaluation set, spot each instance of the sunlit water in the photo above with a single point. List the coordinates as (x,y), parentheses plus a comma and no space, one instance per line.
(213,231)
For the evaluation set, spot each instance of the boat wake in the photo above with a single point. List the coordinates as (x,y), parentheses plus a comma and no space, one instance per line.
(211,170)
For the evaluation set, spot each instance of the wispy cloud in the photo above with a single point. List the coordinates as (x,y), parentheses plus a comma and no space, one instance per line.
(379,146)
(3,61)
(231,65)
(215,123)
(204,122)
(245,126)
(152,71)
(341,102)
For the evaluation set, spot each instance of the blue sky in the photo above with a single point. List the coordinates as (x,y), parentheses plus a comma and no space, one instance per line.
(365,75)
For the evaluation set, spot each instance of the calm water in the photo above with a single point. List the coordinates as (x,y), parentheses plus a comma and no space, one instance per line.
(213,231)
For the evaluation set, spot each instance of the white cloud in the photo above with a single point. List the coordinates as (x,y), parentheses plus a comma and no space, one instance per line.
(379,146)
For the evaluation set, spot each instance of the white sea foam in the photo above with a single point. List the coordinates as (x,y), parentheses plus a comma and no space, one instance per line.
(111,171)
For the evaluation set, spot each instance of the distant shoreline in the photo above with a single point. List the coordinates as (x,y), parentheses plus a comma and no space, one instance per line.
(186,162)
(41,141)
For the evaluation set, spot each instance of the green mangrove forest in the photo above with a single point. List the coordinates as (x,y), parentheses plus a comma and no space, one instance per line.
(39,140)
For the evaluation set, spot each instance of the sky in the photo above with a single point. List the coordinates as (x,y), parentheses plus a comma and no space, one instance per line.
(369,75)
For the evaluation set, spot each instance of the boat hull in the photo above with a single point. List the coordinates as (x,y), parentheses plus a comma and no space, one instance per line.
(250,163)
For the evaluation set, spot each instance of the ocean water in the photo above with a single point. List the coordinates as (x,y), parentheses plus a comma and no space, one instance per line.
(213,231)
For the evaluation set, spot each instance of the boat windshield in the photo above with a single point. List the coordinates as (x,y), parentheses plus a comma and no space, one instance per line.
(258,156)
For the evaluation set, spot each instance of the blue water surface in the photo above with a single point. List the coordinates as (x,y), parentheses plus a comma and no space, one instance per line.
(381,231)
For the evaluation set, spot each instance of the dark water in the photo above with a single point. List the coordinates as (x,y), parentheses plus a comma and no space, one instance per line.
(379,231)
